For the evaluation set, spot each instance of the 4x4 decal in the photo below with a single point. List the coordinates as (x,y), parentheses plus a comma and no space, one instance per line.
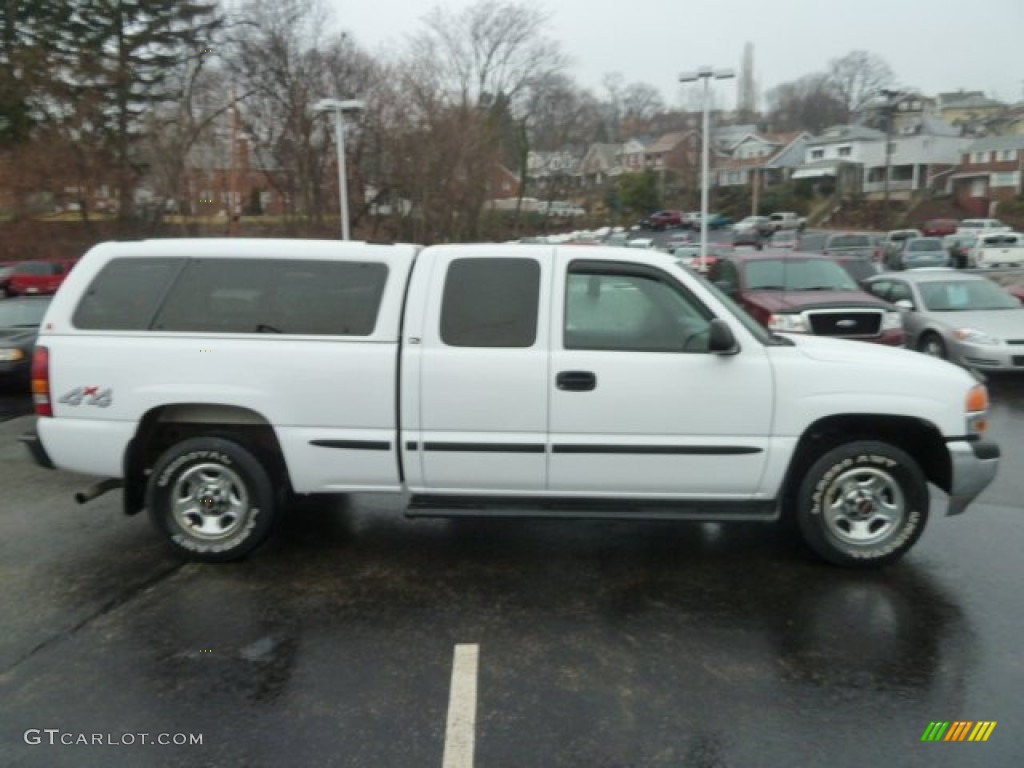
(89,396)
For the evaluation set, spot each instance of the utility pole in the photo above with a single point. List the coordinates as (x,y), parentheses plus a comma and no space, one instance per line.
(756,193)
(890,108)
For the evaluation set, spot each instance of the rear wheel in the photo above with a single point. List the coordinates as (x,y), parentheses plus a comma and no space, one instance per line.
(862,504)
(212,498)
(931,344)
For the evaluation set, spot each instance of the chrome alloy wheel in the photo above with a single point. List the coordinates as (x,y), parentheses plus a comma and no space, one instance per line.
(210,501)
(864,506)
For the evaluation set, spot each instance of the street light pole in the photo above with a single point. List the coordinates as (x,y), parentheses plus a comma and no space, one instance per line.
(705,74)
(339,108)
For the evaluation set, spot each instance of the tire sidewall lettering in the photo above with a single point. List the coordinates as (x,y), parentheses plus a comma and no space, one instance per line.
(200,546)
(171,469)
(819,488)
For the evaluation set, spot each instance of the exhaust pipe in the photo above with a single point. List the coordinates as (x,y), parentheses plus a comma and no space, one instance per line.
(98,489)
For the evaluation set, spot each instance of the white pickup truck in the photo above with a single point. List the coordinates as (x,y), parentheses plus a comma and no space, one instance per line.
(216,379)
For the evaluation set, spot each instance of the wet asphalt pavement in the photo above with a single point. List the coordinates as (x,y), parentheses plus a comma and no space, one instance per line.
(602,645)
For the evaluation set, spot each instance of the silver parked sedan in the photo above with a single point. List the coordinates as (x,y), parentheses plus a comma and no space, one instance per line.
(967,319)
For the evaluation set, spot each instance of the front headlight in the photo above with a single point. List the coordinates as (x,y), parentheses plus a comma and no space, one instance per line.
(892,321)
(11,355)
(977,410)
(974,337)
(787,324)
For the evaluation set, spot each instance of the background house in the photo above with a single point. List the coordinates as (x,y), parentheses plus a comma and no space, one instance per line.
(839,156)
(915,162)
(555,169)
(601,163)
(991,172)
(968,107)
(769,158)
(634,153)
(675,150)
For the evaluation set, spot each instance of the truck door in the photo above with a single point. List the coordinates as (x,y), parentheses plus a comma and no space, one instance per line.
(475,370)
(638,404)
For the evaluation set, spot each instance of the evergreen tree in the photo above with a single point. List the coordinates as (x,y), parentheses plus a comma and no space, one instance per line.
(29,30)
(121,57)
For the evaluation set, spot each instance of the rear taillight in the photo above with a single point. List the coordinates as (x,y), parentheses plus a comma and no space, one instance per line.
(41,382)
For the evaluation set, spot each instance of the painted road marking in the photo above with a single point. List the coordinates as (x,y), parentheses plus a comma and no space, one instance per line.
(460,734)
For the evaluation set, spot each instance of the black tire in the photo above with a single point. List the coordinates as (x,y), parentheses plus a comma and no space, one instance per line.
(226,500)
(863,504)
(931,344)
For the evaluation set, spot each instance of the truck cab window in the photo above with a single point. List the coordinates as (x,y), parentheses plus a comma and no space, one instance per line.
(490,303)
(636,313)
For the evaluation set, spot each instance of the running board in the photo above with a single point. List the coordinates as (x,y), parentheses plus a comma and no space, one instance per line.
(591,509)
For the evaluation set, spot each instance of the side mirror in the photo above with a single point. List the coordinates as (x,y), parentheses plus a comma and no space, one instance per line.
(905,304)
(721,340)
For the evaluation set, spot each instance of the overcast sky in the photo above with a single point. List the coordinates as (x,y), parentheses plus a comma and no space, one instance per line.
(933,45)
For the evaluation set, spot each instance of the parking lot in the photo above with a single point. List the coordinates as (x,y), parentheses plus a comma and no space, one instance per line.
(600,644)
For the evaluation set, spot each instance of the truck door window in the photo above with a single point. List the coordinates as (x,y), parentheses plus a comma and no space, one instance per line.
(631,312)
(490,303)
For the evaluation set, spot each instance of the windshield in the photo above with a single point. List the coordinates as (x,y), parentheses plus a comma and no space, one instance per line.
(757,330)
(965,295)
(797,275)
(1001,241)
(22,314)
(924,245)
(860,269)
(850,241)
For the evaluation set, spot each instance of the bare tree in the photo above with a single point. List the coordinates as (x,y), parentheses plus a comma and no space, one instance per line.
(489,48)
(856,79)
(641,102)
(806,104)
(286,62)
(465,87)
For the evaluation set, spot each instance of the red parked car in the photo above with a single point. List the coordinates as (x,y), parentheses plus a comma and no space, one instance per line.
(665,219)
(31,278)
(939,227)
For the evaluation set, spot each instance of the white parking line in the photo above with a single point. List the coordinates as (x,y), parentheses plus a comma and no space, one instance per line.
(460,734)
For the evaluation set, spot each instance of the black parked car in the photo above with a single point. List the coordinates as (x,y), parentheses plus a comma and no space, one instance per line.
(19,325)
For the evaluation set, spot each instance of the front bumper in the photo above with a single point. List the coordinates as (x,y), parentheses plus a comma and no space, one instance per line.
(990,357)
(974,466)
(35,447)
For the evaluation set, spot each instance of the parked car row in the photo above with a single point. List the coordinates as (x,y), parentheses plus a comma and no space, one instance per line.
(675,219)
(19,325)
(965,318)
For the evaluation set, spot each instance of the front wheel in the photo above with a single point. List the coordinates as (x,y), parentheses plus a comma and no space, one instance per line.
(862,504)
(933,346)
(212,498)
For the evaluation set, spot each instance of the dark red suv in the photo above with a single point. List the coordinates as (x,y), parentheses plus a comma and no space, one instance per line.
(31,278)
(665,219)
(806,293)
